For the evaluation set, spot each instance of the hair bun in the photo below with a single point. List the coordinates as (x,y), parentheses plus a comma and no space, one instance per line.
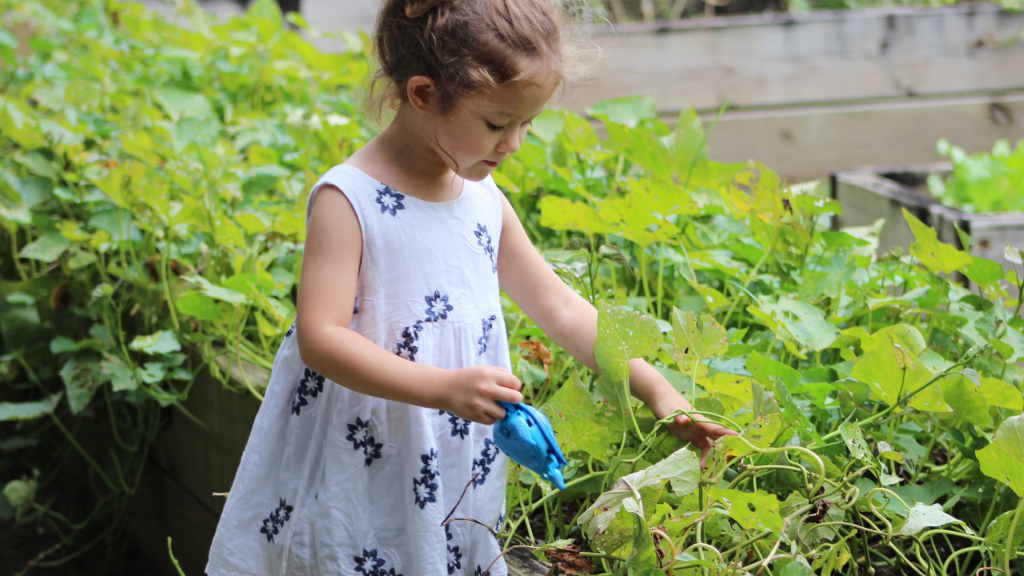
(415,9)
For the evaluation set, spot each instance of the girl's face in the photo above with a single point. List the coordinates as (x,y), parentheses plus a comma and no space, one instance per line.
(483,129)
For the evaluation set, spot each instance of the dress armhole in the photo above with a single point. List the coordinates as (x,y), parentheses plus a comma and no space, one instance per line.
(495,198)
(346,187)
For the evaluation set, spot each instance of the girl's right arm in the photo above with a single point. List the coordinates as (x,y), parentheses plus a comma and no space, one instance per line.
(327,292)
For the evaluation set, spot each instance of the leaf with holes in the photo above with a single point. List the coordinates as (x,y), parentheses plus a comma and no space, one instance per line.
(698,338)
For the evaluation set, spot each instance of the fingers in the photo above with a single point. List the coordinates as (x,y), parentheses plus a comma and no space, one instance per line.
(508,380)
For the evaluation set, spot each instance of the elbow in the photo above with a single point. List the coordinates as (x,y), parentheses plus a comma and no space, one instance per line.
(307,349)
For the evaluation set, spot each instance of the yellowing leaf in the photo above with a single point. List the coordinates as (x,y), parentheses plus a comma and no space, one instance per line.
(936,256)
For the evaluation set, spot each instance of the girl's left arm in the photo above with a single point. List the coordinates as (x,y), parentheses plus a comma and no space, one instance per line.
(571,321)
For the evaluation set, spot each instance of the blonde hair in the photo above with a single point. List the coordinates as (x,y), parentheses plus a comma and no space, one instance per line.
(465,46)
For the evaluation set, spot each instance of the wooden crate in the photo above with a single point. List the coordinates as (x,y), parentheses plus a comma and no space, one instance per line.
(883,192)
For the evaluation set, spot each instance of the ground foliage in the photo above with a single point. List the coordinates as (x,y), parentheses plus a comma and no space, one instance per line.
(151,198)
(985,182)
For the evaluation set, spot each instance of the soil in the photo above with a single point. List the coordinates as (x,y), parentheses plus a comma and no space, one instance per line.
(20,546)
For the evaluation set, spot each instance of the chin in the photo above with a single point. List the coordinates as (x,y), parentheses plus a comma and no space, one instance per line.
(475,174)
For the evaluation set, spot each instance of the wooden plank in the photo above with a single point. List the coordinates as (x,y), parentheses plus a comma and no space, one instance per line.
(805,143)
(783,59)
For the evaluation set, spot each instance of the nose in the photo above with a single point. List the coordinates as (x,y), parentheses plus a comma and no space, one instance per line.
(510,143)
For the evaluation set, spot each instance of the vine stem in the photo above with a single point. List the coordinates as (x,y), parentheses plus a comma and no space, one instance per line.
(753,273)
(1010,548)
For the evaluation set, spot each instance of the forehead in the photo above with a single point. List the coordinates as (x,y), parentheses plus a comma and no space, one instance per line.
(519,99)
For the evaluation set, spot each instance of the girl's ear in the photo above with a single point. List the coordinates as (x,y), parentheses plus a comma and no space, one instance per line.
(420,92)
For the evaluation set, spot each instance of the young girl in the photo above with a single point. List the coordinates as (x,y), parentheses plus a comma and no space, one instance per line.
(379,410)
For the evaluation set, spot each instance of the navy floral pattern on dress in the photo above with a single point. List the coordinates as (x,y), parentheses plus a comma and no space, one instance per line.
(369,564)
(390,200)
(454,556)
(483,239)
(361,439)
(488,325)
(275,521)
(312,384)
(501,520)
(479,571)
(424,487)
(460,426)
(291,330)
(437,309)
(483,464)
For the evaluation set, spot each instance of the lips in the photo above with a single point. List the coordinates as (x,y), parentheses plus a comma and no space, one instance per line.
(491,164)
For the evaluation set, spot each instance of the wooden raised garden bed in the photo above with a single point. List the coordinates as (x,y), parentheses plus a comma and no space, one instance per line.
(883,192)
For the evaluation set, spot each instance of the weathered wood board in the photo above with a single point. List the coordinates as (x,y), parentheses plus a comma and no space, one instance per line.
(805,143)
(820,57)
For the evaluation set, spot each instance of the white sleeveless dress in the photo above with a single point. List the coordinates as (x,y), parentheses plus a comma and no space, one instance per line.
(336,482)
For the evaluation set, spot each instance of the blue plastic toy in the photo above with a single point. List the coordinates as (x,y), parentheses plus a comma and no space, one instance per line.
(525,435)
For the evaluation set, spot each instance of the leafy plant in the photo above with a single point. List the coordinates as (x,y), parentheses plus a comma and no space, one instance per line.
(152,185)
(866,389)
(985,182)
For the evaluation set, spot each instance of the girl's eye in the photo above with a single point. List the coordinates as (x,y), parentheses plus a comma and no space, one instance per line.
(494,127)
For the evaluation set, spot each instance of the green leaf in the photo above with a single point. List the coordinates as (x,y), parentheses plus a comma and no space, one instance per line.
(854,439)
(681,469)
(217,292)
(751,510)
(82,380)
(936,256)
(999,393)
(46,248)
(1012,254)
(118,374)
(628,110)
(778,378)
(574,417)
(37,164)
(923,516)
(689,148)
(998,533)
(804,322)
(1003,459)
(162,342)
(28,410)
(21,494)
(984,272)
(621,336)
(798,567)
(880,370)
(643,560)
(198,305)
(118,223)
(698,338)
(965,400)
(180,103)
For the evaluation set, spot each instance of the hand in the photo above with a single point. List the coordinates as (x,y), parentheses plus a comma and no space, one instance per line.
(700,432)
(473,393)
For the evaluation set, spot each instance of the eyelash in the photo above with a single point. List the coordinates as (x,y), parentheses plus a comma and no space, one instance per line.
(496,128)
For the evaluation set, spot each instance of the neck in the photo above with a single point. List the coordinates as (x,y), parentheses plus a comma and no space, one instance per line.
(408,142)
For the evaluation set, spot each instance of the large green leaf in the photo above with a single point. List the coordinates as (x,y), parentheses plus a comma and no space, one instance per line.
(880,369)
(923,516)
(180,103)
(575,419)
(752,510)
(162,342)
(936,256)
(28,410)
(681,469)
(698,338)
(966,400)
(804,322)
(81,379)
(778,378)
(1003,459)
(628,110)
(46,248)
(621,336)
